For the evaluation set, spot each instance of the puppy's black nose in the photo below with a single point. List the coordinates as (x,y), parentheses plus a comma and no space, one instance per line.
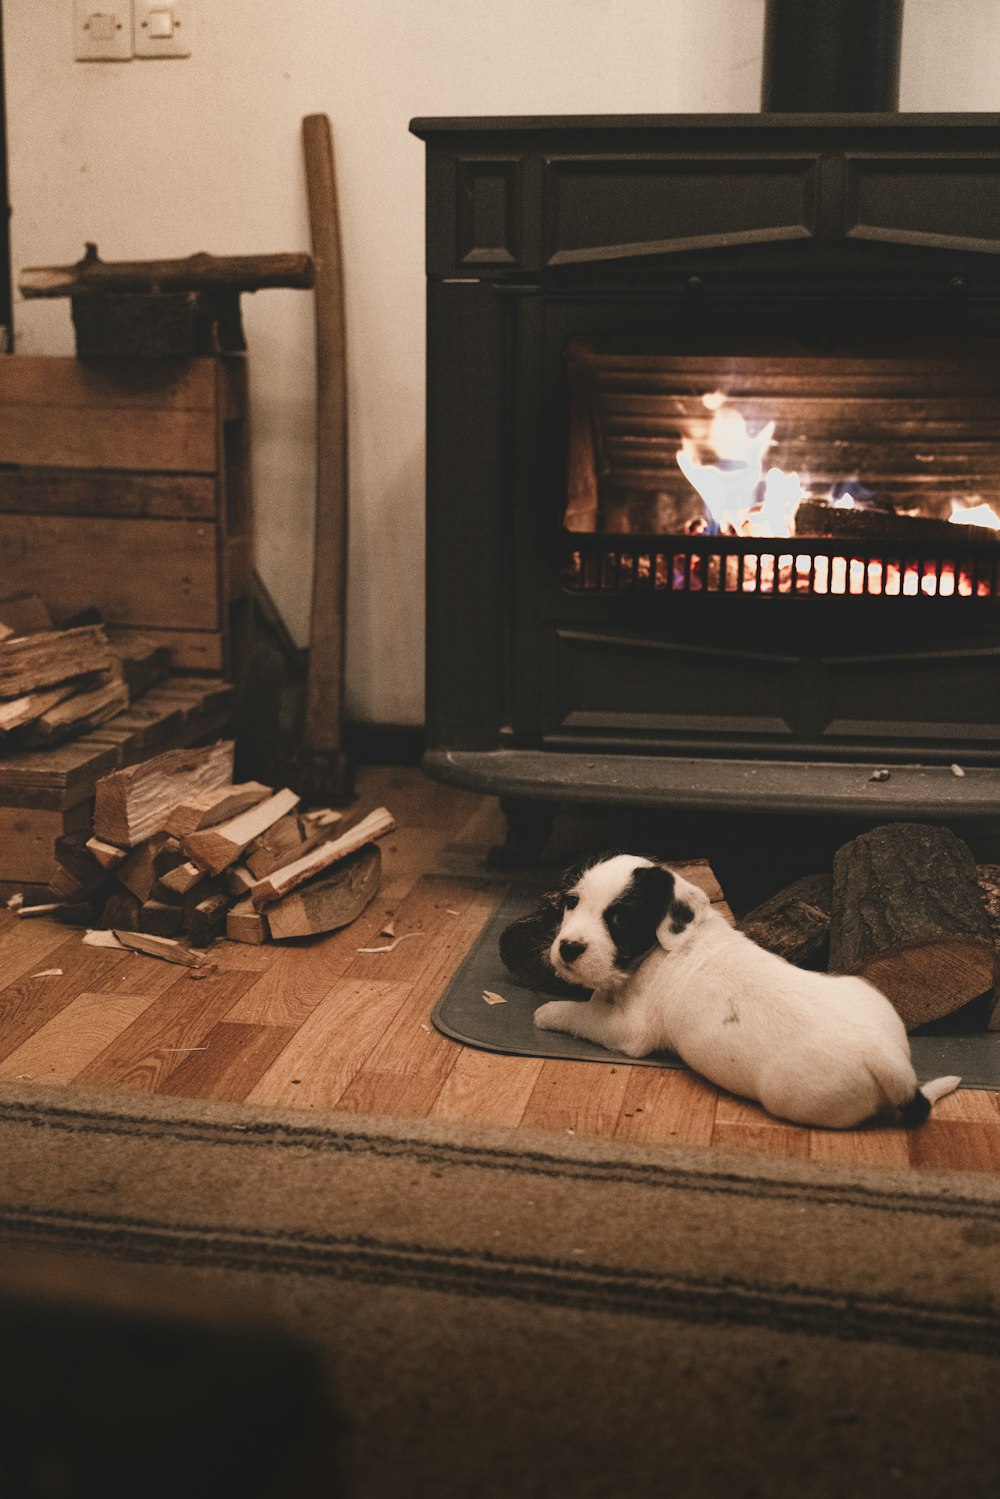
(570,951)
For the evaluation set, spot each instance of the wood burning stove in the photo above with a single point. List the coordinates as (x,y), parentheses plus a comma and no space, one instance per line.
(599,628)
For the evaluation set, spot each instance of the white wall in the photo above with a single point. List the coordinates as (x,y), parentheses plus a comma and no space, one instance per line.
(163,158)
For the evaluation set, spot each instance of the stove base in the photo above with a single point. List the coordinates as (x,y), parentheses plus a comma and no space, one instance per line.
(816,789)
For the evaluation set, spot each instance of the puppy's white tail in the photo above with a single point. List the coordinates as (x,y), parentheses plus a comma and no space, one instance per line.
(919,1106)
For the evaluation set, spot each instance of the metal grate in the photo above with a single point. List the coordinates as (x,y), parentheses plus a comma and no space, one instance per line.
(731,566)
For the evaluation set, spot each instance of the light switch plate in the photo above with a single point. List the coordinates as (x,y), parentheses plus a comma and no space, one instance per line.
(102,30)
(163,28)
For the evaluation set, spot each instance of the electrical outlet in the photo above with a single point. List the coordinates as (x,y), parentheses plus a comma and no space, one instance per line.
(163,28)
(102,30)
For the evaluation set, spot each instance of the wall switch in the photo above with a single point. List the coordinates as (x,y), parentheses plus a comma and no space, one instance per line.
(163,27)
(102,30)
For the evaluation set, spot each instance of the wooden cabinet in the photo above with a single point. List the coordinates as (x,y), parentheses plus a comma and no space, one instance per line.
(124,486)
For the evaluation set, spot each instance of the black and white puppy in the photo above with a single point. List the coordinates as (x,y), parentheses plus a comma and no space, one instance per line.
(669,972)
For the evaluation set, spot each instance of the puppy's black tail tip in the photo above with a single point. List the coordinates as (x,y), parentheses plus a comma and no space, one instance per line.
(916,1109)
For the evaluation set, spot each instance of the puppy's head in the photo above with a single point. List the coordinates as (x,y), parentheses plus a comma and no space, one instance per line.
(614,912)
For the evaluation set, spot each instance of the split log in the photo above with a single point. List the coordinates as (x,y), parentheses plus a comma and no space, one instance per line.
(168,856)
(908,915)
(121,909)
(64,887)
(30,662)
(207,919)
(79,712)
(793,923)
(133,803)
(281,881)
(245,924)
(180,879)
(143,661)
(217,847)
(239,880)
(159,947)
(333,901)
(158,919)
(286,840)
(211,807)
(138,873)
(108,855)
(73,855)
(16,712)
(201,272)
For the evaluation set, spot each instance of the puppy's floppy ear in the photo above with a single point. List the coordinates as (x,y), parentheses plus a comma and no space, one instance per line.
(635,919)
(687,906)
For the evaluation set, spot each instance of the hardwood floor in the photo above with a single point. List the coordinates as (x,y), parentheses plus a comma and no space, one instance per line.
(332,1024)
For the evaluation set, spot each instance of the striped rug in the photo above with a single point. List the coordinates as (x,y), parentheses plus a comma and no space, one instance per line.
(513,1314)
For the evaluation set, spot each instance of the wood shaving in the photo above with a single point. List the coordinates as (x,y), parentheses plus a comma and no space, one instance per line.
(956,770)
(389,930)
(101,939)
(47,973)
(183,1048)
(493,999)
(390,946)
(16,901)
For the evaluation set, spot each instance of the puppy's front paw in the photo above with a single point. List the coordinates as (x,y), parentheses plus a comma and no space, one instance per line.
(556,1015)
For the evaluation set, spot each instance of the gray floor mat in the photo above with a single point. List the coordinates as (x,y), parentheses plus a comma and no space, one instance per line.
(465,1016)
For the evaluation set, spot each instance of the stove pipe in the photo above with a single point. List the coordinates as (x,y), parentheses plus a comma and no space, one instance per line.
(831,56)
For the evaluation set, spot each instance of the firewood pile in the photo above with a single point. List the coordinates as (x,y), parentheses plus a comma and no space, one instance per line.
(180,851)
(907,907)
(57,684)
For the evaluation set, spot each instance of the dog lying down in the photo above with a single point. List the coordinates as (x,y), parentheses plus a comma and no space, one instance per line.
(667,971)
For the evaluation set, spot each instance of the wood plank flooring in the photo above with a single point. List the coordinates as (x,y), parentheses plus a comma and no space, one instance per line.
(331,1024)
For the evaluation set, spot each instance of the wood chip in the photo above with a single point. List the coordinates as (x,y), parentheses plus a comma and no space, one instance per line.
(100,938)
(493,999)
(391,946)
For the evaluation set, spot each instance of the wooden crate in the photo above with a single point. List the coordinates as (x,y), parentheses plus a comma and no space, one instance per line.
(125,486)
(47,793)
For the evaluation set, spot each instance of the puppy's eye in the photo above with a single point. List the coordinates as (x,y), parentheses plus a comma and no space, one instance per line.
(571,902)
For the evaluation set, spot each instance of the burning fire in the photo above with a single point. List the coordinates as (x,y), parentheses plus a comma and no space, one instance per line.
(742,498)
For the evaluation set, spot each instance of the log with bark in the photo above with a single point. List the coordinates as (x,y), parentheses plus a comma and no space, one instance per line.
(908,914)
(330,901)
(868,526)
(795,922)
(200,272)
(278,884)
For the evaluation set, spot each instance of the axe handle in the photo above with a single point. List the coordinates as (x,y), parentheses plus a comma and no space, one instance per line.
(325,679)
